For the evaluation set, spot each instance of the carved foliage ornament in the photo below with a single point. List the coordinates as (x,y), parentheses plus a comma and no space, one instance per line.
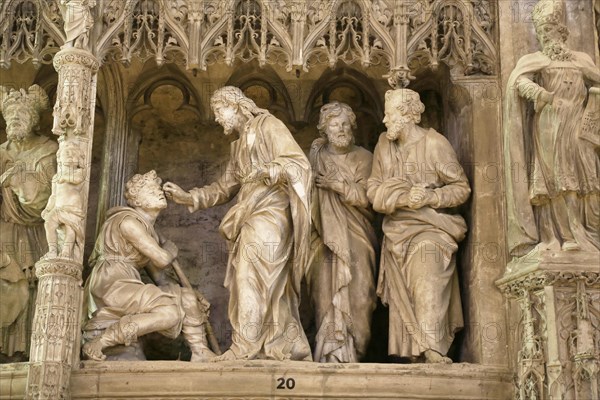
(399,36)
(72,111)
(560,340)
(31,30)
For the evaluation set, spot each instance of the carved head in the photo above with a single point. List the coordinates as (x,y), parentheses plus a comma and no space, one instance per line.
(70,154)
(145,191)
(336,122)
(229,104)
(21,110)
(548,19)
(402,107)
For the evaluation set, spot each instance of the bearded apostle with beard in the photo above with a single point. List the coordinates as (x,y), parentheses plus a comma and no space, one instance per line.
(415,178)
(552,171)
(342,275)
(27,164)
(267,230)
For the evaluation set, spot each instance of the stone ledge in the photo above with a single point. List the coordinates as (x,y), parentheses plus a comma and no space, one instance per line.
(259,380)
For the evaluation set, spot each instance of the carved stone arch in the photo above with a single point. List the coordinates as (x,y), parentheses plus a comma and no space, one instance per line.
(423,49)
(366,102)
(325,26)
(277,101)
(153,78)
(113,23)
(215,39)
(348,35)
(485,58)
(157,34)
(280,31)
(41,20)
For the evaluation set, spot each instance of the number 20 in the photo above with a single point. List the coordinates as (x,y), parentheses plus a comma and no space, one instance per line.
(288,383)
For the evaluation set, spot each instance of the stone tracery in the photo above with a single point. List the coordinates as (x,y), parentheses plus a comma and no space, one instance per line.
(392,38)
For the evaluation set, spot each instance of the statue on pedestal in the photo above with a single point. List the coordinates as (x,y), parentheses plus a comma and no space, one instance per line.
(27,164)
(78,21)
(267,230)
(342,273)
(64,214)
(120,306)
(415,178)
(552,163)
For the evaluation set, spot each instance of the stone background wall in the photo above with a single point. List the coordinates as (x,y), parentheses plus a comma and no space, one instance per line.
(171,130)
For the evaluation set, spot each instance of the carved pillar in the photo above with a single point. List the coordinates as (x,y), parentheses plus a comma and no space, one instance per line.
(556,328)
(475,130)
(400,75)
(116,166)
(196,16)
(56,326)
(298,12)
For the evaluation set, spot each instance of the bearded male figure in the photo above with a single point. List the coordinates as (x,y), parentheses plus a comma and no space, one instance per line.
(415,178)
(552,170)
(27,164)
(120,306)
(342,275)
(267,230)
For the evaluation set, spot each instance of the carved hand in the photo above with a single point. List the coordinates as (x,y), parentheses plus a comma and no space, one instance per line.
(420,197)
(171,248)
(329,183)
(544,98)
(177,194)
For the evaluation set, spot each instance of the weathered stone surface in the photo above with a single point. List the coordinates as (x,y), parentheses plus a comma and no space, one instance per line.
(260,380)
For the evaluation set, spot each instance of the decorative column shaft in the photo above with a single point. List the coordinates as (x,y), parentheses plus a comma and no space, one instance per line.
(554,306)
(56,325)
(400,75)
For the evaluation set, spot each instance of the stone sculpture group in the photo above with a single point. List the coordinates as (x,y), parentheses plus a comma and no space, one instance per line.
(306,218)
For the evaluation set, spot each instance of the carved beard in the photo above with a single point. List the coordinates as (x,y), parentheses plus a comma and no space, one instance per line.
(227,125)
(340,141)
(557,50)
(16,133)
(396,130)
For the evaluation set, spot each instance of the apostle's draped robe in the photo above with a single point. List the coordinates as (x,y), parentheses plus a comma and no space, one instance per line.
(417,277)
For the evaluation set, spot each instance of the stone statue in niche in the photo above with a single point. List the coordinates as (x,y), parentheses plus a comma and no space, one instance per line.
(27,164)
(342,270)
(120,306)
(64,213)
(78,21)
(267,230)
(552,166)
(415,178)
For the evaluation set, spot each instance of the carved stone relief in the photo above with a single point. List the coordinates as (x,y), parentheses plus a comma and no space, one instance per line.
(27,161)
(422,292)
(344,245)
(552,169)
(558,340)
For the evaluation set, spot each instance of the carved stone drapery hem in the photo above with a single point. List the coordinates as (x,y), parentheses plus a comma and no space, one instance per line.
(555,297)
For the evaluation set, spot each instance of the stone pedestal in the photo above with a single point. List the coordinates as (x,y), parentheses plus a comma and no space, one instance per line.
(55,329)
(270,380)
(553,301)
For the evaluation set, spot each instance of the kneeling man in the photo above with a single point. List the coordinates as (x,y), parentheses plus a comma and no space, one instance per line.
(119,303)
